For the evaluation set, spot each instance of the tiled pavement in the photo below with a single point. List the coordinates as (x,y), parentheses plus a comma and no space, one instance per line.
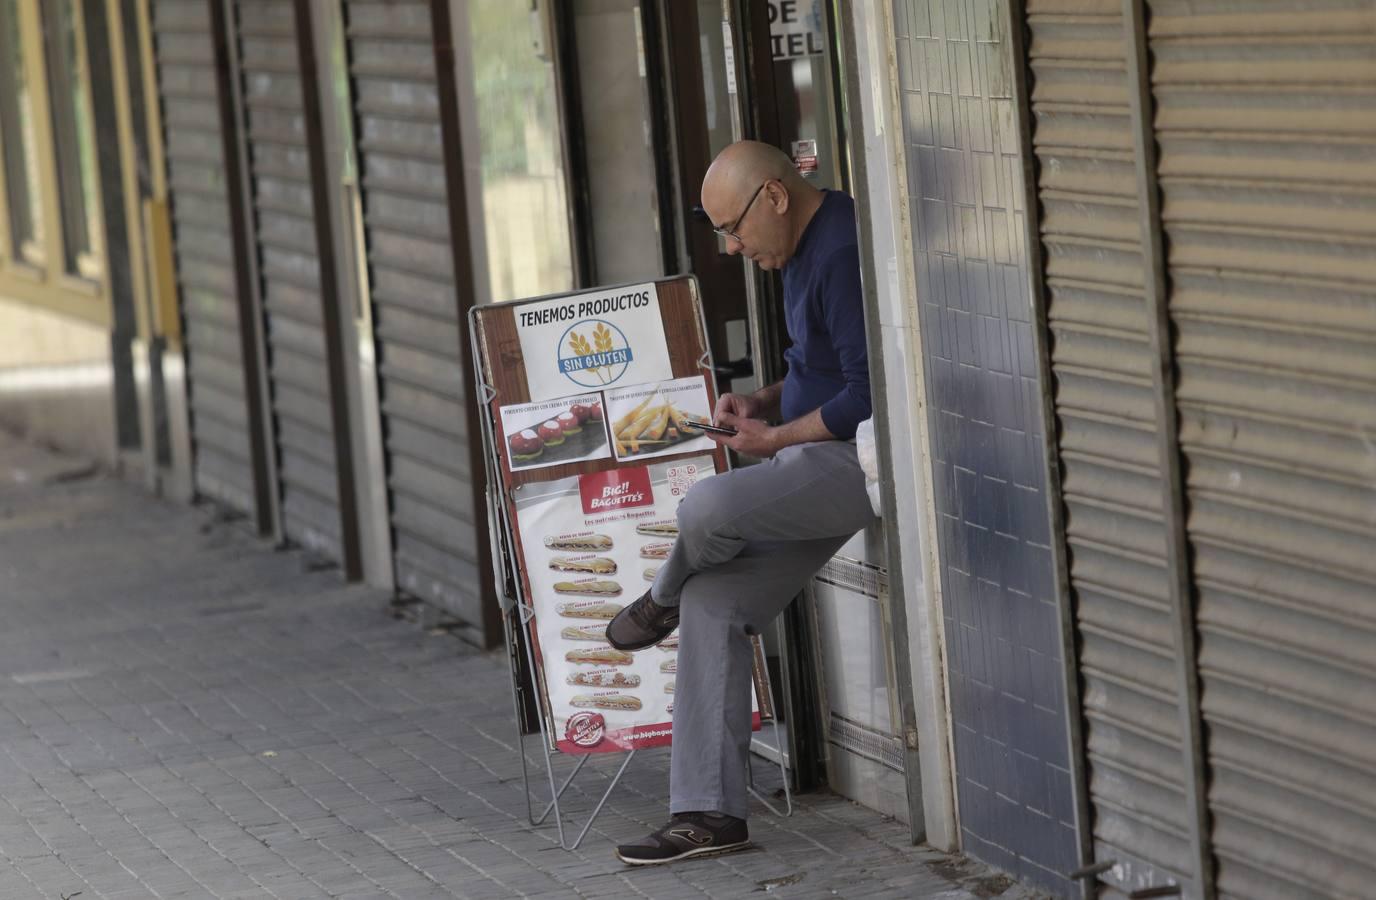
(186,713)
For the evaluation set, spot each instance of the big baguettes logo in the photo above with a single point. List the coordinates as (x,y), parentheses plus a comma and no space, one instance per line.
(604,492)
(585,729)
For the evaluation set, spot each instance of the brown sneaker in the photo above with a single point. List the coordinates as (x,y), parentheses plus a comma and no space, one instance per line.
(686,835)
(642,624)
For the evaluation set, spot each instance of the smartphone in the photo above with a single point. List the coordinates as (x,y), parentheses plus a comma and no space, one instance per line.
(715,429)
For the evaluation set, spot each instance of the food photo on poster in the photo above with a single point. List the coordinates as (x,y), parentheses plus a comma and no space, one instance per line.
(587,541)
(554,432)
(651,420)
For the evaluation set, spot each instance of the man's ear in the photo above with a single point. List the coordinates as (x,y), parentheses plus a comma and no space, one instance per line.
(778,196)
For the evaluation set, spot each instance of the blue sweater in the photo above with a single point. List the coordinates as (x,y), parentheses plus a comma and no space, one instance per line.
(828,364)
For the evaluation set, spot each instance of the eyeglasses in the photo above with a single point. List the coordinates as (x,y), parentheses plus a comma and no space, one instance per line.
(731,232)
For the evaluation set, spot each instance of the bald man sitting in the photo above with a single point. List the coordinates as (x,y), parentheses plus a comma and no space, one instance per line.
(750,539)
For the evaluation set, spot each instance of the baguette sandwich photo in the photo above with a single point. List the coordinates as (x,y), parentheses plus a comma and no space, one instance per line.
(657,550)
(651,573)
(584,633)
(600,656)
(586,542)
(588,609)
(597,565)
(658,529)
(606,701)
(588,588)
(604,679)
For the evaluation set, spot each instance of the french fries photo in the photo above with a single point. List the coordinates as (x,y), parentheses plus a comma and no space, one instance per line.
(652,425)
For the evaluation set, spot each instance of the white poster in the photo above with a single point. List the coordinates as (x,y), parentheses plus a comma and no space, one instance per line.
(651,420)
(592,545)
(591,341)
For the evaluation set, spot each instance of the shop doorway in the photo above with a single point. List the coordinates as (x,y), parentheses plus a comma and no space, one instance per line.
(651,91)
(645,108)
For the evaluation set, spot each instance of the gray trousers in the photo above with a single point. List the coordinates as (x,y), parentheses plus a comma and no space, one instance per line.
(749,540)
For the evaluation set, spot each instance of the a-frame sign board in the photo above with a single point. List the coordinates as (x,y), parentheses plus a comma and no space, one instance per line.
(588,402)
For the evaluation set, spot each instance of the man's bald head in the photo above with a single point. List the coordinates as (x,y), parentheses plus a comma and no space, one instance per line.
(786,201)
(744,165)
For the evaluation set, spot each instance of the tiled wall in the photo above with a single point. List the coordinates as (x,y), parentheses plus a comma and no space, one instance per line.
(1002,627)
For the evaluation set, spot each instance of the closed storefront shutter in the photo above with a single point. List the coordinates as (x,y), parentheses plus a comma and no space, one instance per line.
(422,379)
(204,248)
(285,241)
(1206,186)
(1265,128)
(1101,360)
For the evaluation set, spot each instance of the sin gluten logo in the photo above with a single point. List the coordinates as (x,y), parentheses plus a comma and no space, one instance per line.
(596,362)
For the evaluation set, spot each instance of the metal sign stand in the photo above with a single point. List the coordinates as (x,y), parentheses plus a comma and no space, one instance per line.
(526,613)
(518,613)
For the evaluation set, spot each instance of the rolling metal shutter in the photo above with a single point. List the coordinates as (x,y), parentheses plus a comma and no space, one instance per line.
(285,240)
(422,380)
(204,249)
(1265,125)
(1101,357)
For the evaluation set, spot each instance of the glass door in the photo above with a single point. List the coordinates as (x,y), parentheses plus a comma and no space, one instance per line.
(735,72)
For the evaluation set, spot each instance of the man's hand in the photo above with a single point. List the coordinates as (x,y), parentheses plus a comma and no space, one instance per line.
(741,406)
(753,437)
(762,404)
(761,440)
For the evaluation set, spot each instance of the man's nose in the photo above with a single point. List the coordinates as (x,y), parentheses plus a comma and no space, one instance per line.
(734,245)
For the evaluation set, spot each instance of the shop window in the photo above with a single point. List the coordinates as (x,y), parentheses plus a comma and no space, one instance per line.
(73,138)
(23,208)
(524,195)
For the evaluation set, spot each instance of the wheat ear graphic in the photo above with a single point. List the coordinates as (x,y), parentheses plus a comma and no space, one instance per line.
(581,347)
(602,337)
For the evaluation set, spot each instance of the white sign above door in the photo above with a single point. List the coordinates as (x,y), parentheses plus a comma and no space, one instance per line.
(796,29)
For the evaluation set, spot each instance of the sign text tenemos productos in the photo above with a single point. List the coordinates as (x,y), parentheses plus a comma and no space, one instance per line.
(593,340)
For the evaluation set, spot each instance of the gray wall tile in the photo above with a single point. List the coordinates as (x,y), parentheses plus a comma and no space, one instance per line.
(1002,631)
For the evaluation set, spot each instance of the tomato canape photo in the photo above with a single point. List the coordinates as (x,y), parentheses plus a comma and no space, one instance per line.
(561,433)
(551,433)
(526,446)
(569,423)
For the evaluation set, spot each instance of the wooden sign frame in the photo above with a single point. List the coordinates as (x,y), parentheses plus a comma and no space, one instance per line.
(503,382)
